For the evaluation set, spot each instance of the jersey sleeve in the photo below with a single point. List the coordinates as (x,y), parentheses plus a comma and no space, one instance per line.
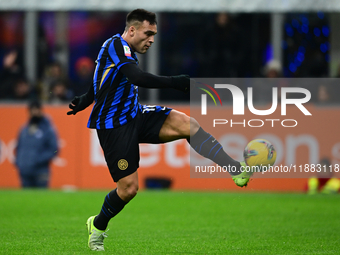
(120,53)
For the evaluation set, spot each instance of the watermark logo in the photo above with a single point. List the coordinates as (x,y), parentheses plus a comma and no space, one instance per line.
(204,97)
(238,99)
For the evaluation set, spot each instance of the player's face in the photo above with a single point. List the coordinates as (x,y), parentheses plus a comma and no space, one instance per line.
(143,37)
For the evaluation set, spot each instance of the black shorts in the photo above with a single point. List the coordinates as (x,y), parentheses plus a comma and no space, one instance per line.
(121,145)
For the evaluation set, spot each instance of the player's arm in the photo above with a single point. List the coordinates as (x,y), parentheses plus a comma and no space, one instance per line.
(82,102)
(147,80)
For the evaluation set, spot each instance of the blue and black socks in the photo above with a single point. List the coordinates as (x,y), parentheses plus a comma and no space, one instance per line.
(112,205)
(207,146)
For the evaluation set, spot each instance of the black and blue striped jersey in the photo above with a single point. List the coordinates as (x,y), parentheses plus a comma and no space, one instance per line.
(116,99)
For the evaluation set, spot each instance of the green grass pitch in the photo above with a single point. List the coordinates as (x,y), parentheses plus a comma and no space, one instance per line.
(165,222)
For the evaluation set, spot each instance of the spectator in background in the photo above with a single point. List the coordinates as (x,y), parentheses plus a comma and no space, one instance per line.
(84,71)
(53,73)
(37,145)
(22,90)
(59,92)
(273,69)
(262,88)
(9,74)
(324,182)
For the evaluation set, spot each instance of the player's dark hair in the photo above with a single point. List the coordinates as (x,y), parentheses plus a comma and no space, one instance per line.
(140,15)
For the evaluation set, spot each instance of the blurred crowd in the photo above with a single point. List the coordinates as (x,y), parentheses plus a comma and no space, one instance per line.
(215,45)
(324,90)
(53,87)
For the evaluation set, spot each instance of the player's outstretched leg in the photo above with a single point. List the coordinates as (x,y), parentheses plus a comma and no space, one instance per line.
(114,202)
(178,125)
(208,146)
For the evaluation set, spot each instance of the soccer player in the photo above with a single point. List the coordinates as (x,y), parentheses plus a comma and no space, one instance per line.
(122,123)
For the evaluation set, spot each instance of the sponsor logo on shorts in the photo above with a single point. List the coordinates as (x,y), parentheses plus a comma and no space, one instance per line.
(123,164)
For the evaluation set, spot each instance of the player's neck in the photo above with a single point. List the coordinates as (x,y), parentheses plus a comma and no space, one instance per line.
(125,36)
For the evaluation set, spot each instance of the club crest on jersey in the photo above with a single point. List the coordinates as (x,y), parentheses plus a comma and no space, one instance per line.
(127,51)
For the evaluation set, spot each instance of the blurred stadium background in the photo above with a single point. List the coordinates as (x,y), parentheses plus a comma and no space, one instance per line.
(48,50)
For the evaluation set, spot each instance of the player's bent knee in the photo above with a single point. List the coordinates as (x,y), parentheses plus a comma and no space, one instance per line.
(127,188)
(128,193)
(131,192)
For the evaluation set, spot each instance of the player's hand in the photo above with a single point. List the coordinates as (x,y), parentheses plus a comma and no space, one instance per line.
(79,103)
(181,82)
